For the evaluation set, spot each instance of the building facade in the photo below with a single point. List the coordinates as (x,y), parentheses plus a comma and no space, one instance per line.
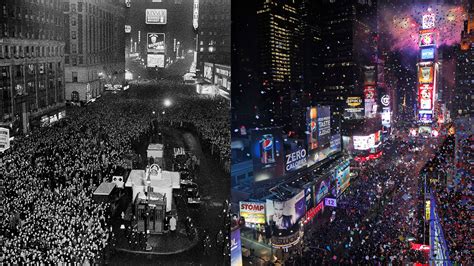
(95,47)
(31,61)
(213,33)
(464,99)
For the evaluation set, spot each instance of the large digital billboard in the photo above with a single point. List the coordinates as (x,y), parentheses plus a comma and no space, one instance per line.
(427,53)
(253,212)
(428,21)
(155,43)
(361,142)
(322,190)
(354,108)
(284,214)
(295,159)
(342,175)
(425,74)
(267,153)
(370,101)
(427,39)
(425,96)
(318,120)
(156,16)
(155,60)
(235,248)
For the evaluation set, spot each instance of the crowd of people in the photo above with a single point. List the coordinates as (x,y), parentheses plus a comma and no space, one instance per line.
(369,227)
(49,176)
(455,207)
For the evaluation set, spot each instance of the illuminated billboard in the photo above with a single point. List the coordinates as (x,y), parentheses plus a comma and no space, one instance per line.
(284,214)
(425,96)
(428,21)
(322,190)
(235,248)
(267,153)
(342,175)
(386,117)
(253,212)
(208,71)
(427,53)
(370,105)
(155,43)
(361,142)
(427,39)
(195,14)
(425,118)
(4,139)
(354,108)
(296,159)
(128,28)
(318,121)
(425,74)
(369,77)
(155,16)
(155,60)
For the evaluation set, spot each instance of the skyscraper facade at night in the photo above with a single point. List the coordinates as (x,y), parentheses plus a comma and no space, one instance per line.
(95,47)
(31,62)
(463,99)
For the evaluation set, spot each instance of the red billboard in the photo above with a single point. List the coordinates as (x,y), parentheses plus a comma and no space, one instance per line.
(425,96)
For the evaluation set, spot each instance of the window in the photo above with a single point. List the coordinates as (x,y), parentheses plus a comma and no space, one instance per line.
(79,7)
(73,34)
(73,7)
(73,21)
(74,76)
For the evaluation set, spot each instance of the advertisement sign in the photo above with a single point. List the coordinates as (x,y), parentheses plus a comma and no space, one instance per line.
(318,121)
(354,102)
(425,74)
(324,126)
(428,21)
(312,212)
(330,202)
(427,210)
(427,39)
(369,93)
(208,71)
(128,28)
(195,14)
(155,16)
(44,122)
(155,42)
(309,195)
(267,153)
(318,155)
(284,214)
(370,105)
(155,60)
(343,177)
(425,118)
(369,77)
(335,143)
(4,139)
(427,53)
(354,108)
(235,248)
(361,143)
(425,96)
(253,212)
(385,100)
(295,160)
(322,190)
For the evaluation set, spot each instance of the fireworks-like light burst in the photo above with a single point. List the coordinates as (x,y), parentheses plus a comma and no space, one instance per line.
(400,25)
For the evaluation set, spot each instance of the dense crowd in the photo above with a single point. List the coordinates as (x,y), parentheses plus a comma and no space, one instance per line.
(368,227)
(455,207)
(50,175)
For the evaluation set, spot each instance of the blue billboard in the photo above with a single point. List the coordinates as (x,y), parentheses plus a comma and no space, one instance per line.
(267,153)
(427,53)
(235,248)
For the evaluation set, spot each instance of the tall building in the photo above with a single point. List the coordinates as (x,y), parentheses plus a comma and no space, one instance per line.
(464,99)
(95,47)
(31,62)
(214,33)
(279,31)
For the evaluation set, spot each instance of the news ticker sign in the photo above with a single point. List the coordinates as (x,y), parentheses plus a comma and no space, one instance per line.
(253,212)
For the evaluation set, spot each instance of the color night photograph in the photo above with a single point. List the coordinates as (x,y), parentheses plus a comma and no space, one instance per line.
(351,139)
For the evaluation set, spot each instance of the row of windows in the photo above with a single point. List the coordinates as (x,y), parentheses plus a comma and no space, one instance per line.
(87,7)
(19,51)
(23,31)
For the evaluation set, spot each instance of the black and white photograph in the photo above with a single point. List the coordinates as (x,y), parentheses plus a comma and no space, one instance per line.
(114,149)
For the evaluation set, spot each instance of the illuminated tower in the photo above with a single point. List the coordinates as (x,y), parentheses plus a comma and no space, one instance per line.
(427,73)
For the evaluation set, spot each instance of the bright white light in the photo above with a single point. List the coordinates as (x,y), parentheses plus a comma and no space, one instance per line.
(167,102)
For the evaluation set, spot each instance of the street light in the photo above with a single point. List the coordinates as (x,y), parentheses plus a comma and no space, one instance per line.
(167,102)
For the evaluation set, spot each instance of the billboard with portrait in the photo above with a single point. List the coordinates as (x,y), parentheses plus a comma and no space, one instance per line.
(235,248)
(284,214)
(425,96)
(155,42)
(267,153)
(425,74)
(252,212)
(156,16)
(155,60)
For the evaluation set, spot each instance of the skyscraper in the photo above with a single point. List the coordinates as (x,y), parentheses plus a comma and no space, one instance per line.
(95,47)
(31,62)
(463,99)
